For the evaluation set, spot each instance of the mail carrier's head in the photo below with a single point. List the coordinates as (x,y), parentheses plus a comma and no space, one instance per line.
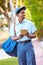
(20,12)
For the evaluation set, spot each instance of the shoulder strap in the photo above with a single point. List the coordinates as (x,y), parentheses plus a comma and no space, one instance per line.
(14,28)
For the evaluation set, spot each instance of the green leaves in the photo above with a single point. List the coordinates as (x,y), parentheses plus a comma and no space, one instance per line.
(2,3)
(36,10)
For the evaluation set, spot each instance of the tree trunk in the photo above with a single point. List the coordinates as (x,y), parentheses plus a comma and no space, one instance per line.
(6,15)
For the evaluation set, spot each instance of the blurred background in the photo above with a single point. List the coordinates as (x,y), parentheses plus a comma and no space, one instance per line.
(34,12)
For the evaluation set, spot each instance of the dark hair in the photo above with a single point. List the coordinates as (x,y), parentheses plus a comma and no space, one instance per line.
(22,8)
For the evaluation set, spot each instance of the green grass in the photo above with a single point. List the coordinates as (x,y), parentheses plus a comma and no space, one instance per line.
(9,61)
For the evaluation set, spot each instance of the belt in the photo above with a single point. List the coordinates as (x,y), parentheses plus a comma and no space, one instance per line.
(24,41)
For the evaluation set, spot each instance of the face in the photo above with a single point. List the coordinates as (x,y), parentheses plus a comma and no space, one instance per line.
(21,15)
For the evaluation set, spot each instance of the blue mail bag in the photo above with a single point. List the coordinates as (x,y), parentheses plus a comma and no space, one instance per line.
(10,47)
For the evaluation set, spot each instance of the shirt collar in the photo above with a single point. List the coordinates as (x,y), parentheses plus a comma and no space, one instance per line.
(19,22)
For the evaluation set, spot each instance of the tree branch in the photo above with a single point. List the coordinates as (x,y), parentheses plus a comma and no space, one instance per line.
(6,15)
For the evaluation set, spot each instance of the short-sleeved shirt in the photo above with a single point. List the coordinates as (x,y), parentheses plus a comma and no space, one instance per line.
(26,24)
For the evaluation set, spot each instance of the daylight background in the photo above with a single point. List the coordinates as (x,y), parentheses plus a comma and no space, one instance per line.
(34,12)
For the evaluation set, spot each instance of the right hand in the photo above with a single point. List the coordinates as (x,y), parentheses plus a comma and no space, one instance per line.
(20,36)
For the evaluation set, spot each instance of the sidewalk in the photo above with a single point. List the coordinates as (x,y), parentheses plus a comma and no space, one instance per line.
(38,52)
(3,55)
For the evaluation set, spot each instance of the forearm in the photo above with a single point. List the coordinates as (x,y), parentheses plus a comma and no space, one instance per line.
(31,36)
(17,37)
(14,38)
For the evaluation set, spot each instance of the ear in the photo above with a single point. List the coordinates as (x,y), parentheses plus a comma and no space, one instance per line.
(17,15)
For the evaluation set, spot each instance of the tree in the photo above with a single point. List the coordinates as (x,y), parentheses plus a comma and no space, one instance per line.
(5,11)
(36,9)
(2,3)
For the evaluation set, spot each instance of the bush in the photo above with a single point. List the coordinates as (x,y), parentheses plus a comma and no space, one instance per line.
(6,25)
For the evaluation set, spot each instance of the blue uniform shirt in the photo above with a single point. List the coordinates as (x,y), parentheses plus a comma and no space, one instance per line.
(26,24)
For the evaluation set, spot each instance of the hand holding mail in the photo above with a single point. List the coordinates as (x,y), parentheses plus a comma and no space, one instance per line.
(24,32)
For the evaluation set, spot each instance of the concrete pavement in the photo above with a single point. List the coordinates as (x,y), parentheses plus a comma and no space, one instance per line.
(3,55)
(38,52)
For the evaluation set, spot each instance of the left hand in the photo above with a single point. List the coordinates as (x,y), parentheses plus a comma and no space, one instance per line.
(27,34)
(30,35)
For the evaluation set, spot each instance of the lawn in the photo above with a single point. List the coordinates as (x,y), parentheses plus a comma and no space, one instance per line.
(9,61)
